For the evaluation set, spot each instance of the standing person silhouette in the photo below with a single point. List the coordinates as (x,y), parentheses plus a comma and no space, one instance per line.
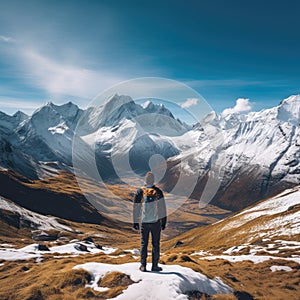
(149,210)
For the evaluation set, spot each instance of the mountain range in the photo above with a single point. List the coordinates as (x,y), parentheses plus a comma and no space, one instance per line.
(49,229)
(256,154)
(37,145)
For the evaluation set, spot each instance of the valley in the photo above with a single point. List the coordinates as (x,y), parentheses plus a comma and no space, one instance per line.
(231,184)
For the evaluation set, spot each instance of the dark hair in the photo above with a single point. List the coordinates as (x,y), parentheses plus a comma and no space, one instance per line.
(149,178)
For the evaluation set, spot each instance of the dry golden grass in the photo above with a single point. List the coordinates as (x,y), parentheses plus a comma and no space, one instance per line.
(257,279)
(117,282)
(63,190)
(222,297)
(55,279)
(196,295)
(67,282)
(65,185)
(189,216)
(12,235)
(115,279)
(63,182)
(106,234)
(66,182)
(230,232)
(246,277)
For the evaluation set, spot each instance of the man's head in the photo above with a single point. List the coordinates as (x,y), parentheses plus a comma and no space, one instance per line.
(149,179)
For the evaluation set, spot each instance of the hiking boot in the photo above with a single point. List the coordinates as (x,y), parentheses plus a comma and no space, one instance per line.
(156,269)
(143,268)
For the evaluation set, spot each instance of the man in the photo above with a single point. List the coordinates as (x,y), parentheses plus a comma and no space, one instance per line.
(149,210)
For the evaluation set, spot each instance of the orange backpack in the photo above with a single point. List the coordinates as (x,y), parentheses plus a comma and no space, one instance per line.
(150,205)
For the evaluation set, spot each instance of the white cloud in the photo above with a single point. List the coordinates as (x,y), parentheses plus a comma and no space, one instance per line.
(6,39)
(10,105)
(64,79)
(17,103)
(224,82)
(189,102)
(149,87)
(242,105)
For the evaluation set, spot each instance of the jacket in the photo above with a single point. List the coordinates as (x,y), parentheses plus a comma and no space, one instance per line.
(139,207)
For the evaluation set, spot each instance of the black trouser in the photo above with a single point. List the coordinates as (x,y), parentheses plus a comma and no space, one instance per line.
(155,229)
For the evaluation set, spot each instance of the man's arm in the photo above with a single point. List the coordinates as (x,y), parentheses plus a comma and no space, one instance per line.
(137,207)
(162,210)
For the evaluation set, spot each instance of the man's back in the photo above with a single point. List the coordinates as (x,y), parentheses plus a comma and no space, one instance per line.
(149,205)
(149,210)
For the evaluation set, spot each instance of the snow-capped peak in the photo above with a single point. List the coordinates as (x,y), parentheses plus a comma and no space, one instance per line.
(149,105)
(51,115)
(117,107)
(115,101)
(289,110)
(291,100)
(20,116)
(120,107)
(146,104)
(68,110)
(11,122)
(152,108)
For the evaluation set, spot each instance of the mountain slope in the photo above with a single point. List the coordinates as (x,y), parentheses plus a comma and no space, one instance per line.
(255,155)
(122,131)
(268,222)
(57,196)
(47,135)
(20,217)
(255,251)
(38,145)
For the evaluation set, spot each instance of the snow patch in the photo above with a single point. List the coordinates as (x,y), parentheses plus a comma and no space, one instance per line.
(256,259)
(235,249)
(14,254)
(280,268)
(60,128)
(271,248)
(172,283)
(133,251)
(6,245)
(285,221)
(31,251)
(201,253)
(275,205)
(101,235)
(40,221)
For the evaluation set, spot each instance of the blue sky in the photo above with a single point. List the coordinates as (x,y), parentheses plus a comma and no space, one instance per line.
(72,50)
